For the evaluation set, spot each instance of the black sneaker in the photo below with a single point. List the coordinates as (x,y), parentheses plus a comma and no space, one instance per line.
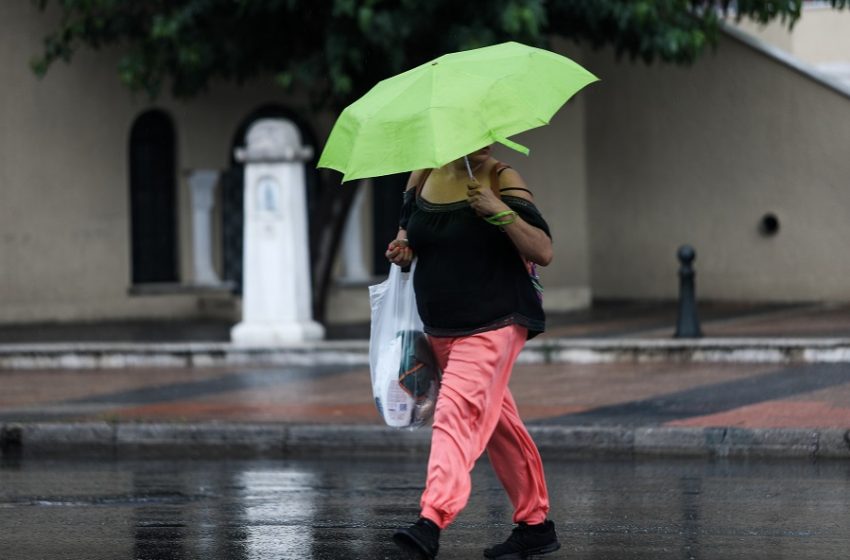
(526,541)
(421,540)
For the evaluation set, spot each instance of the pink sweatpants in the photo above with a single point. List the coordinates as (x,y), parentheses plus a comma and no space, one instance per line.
(476,411)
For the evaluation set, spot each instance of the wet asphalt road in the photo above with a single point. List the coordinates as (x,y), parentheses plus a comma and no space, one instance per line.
(333,509)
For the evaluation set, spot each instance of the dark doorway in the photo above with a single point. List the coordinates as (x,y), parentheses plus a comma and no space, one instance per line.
(233,224)
(153,207)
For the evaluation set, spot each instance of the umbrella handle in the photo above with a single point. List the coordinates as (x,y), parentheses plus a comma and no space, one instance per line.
(469,168)
(505,142)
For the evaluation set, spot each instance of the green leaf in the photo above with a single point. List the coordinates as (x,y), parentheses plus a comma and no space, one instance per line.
(337,49)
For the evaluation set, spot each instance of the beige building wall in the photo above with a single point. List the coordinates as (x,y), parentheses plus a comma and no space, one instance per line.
(698,155)
(64,192)
(633,166)
(822,35)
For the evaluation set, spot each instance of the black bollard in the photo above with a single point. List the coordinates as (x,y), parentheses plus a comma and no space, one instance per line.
(687,325)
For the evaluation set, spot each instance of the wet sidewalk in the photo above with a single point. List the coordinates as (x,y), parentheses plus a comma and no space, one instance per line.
(705,406)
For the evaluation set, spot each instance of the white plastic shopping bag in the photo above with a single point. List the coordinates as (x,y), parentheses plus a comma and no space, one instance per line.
(405,374)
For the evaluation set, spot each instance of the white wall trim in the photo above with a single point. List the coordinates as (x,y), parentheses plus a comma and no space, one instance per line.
(570,298)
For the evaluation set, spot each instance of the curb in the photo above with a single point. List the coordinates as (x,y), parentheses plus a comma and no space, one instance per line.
(355,353)
(282,440)
(98,355)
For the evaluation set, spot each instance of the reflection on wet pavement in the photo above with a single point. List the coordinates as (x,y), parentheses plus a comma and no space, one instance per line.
(326,509)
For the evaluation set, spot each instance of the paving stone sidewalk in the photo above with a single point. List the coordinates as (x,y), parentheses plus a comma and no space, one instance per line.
(716,408)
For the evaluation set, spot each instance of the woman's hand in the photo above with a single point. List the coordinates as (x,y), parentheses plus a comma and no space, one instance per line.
(484,201)
(399,252)
(531,242)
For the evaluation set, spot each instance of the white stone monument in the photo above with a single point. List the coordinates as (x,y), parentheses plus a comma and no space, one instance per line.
(276,294)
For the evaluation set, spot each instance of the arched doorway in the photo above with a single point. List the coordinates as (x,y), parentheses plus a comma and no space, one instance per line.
(153,206)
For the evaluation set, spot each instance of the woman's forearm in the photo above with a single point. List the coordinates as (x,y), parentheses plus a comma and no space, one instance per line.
(531,242)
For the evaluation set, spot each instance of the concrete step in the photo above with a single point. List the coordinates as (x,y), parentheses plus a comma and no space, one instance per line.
(356,352)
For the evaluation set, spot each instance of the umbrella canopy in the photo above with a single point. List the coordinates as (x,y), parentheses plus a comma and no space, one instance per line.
(449,107)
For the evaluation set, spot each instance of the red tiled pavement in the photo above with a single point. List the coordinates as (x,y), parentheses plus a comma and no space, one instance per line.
(347,413)
(272,395)
(43,387)
(775,414)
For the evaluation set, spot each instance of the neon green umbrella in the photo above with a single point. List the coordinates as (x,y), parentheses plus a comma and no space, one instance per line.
(449,107)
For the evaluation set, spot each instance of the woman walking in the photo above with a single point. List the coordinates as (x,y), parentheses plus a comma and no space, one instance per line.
(477,235)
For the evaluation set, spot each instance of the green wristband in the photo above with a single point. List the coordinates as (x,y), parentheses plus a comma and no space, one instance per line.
(502,218)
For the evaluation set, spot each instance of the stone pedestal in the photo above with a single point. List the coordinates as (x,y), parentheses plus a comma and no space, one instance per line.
(276,298)
(202,184)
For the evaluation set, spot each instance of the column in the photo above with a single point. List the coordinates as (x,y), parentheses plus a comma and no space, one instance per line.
(202,185)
